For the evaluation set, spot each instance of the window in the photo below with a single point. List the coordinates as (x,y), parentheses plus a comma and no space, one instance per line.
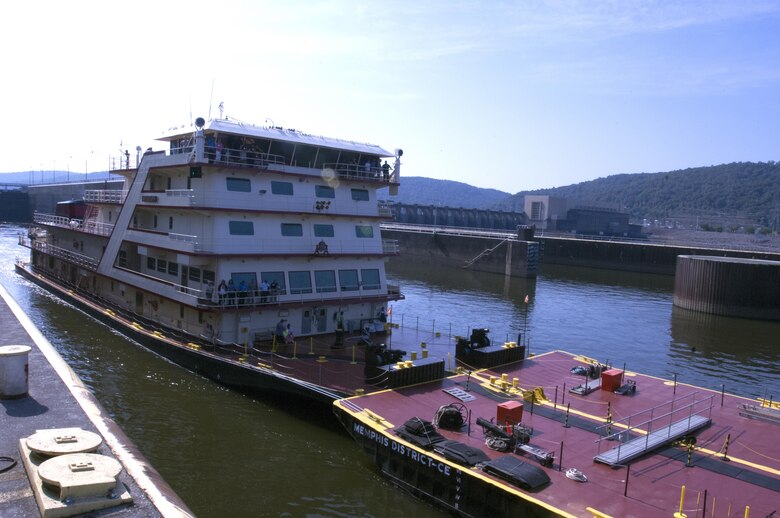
(324,191)
(170,222)
(348,280)
(360,194)
(275,277)
(364,231)
(285,188)
(155,220)
(173,268)
(323,230)
(162,265)
(241,228)
(151,263)
(370,278)
(208,275)
(325,281)
(239,184)
(300,282)
(194,274)
(121,260)
(292,229)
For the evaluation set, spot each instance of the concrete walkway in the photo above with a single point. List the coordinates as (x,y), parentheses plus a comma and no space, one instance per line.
(58,399)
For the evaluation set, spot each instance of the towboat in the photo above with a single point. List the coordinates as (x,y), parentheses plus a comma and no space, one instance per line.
(249,254)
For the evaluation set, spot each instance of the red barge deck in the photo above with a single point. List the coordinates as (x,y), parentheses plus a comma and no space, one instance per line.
(661,449)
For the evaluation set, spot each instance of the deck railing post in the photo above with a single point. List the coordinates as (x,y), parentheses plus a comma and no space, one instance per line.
(649,428)
(560,458)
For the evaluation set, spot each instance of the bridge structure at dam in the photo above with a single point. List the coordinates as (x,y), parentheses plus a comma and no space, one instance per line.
(500,243)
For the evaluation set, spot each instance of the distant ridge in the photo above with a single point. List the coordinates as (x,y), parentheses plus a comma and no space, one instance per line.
(418,190)
(747,191)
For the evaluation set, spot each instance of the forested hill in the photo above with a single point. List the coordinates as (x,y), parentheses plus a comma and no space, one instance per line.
(747,189)
(417,190)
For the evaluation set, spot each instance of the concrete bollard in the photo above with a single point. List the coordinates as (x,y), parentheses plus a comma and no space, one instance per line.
(14,371)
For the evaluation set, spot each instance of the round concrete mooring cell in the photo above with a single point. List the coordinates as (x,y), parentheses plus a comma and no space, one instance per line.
(747,288)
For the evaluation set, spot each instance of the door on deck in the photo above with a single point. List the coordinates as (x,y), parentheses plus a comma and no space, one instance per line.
(185,273)
(306,322)
(139,302)
(321,315)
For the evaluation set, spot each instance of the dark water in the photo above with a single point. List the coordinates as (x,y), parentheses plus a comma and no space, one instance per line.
(227,454)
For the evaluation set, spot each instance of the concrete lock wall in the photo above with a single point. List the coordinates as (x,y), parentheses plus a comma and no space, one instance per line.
(494,255)
(633,257)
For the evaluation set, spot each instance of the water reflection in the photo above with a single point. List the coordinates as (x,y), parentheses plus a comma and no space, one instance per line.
(734,350)
(620,317)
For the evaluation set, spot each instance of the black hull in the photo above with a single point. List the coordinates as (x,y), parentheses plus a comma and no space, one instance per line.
(459,490)
(235,374)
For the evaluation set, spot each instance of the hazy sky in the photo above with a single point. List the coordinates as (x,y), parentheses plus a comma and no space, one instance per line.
(508,95)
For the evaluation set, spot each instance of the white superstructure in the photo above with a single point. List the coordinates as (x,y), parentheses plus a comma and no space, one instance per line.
(287,222)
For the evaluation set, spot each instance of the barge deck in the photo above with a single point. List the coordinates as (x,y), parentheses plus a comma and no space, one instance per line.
(658,449)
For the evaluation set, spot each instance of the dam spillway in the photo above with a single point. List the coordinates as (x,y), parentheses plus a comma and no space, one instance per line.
(730,286)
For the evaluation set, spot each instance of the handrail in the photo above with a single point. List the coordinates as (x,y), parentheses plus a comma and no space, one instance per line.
(105,196)
(483,254)
(88,226)
(73,257)
(653,419)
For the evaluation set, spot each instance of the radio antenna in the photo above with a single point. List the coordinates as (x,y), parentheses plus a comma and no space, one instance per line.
(211,97)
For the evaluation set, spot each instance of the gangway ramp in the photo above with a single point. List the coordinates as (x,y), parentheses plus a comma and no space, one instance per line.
(640,445)
(656,437)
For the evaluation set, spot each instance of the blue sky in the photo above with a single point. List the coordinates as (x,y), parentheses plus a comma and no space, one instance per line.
(507,95)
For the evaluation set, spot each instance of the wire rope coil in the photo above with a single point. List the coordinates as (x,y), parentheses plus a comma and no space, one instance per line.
(11,463)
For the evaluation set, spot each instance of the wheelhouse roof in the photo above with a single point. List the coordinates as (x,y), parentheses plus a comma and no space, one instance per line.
(232,127)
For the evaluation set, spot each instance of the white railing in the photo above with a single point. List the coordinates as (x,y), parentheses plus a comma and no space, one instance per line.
(89,226)
(358,172)
(105,196)
(178,193)
(73,257)
(253,245)
(385,209)
(56,221)
(186,238)
(96,227)
(390,247)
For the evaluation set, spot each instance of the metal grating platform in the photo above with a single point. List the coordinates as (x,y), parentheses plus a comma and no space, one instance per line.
(460,394)
(641,445)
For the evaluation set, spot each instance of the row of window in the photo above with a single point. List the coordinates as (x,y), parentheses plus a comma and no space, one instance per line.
(286,189)
(247,228)
(324,281)
(299,281)
(189,273)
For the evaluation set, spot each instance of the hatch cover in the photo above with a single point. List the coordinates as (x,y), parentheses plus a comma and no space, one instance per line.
(61,441)
(80,474)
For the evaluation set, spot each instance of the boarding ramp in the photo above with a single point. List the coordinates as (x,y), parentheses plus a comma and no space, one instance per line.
(666,424)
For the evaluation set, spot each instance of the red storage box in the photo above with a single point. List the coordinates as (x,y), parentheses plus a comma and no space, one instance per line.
(510,412)
(610,379)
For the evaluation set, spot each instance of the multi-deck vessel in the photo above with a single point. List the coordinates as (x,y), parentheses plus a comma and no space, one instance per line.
(249,254)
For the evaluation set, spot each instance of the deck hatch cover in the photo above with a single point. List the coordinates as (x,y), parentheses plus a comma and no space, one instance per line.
(517,472)
(62,441)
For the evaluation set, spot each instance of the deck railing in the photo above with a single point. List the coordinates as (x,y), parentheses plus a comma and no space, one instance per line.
(105,196)
(90,227)
(82,260)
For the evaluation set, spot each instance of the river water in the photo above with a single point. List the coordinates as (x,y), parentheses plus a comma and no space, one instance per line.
(228,454)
